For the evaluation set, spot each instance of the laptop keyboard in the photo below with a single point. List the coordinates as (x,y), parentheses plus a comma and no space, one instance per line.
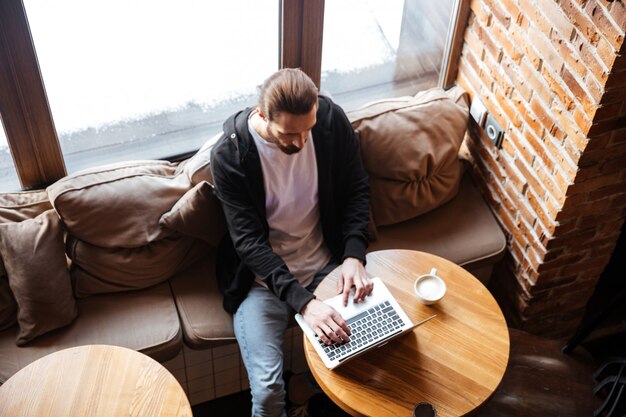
(369,326)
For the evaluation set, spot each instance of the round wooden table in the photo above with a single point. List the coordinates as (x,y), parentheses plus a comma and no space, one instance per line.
(454,361)
(94,381)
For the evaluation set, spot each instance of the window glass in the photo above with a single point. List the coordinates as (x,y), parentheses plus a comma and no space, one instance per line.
(375,49)
(8,175)
(148,79)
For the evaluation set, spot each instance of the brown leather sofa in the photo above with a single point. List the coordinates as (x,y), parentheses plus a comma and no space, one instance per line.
(138,240)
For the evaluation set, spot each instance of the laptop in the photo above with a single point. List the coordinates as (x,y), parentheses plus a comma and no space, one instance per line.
(372,323)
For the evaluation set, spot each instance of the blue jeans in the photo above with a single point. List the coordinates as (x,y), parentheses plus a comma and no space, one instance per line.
(260,324)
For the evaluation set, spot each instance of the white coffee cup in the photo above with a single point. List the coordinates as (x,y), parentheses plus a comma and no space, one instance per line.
(429,288)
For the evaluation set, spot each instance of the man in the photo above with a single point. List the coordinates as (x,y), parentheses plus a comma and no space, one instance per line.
(295,195)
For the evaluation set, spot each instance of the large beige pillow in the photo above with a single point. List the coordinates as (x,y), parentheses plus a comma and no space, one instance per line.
(410,149)
(98,270)
(198,214)
(34,257)
(16,207)
(118,205)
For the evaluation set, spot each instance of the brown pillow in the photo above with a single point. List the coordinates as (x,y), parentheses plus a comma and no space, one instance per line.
(118,205)
(8,306)
(99,270)
(410,149)
(34,257)
(20,206)
(198,214)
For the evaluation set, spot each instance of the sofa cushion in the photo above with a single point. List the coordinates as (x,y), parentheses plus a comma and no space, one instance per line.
(463,230)
(8,306)
(143,320)
(410,149)
(20,206)
(98,270)
(16,207)
(198,214)
(34,257)
(118,205)
(204,321)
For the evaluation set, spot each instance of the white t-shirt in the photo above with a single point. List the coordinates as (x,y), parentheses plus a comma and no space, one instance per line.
(291,205)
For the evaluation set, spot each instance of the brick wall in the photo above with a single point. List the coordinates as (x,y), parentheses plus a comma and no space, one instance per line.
(552,73)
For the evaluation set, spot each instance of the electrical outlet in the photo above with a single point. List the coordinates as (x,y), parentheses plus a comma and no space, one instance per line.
(478,111)
(494,131)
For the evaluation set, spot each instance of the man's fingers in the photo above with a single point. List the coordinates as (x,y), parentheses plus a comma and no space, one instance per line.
(340,284)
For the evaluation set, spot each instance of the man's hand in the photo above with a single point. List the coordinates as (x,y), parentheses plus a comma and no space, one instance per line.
(353,275)
(326,322)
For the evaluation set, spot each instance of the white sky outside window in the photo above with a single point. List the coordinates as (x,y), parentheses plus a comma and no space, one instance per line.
(376,49)
(108,64)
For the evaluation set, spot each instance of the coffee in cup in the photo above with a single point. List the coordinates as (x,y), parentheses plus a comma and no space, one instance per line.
(429,288)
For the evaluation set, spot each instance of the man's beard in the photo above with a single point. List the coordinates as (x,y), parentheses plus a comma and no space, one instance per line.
(289,150)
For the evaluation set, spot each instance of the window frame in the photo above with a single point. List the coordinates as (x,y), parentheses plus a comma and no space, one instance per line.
(26,114)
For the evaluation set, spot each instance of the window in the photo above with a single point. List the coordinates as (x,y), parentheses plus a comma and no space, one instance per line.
(148,79)
(154,79)
(8,176)
(374,49)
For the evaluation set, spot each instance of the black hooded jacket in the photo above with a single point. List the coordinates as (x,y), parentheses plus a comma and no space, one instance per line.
(245,253)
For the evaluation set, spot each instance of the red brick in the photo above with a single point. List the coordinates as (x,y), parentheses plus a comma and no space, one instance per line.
(583,122)
(604,24)
(588,172)
(614,96)
(572,152)
(579,92)
(598,142)
(587,264)
(540,209)
(608,111)
(498,75)
(509,110)
(593,184)
(498,12)
(588,54)
(544,46)
(614,165)
(508,47)
(513,174)
(544,117)
(587,209)
(481,13)
(608,191)
(568,53)
(473,44)
(606,53)
(616,80)
(533,123)
(553,12)
(487,41)
(563,183)
(540,149)
(535,81)
(557,89)
(511,8)
(581,21)
(607,126)
(521,39)
(618,137)
(618,13)
(618,201)
(565,161)
(532,13)
(570,202)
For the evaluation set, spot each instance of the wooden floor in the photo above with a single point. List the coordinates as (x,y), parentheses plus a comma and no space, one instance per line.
(238,405)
